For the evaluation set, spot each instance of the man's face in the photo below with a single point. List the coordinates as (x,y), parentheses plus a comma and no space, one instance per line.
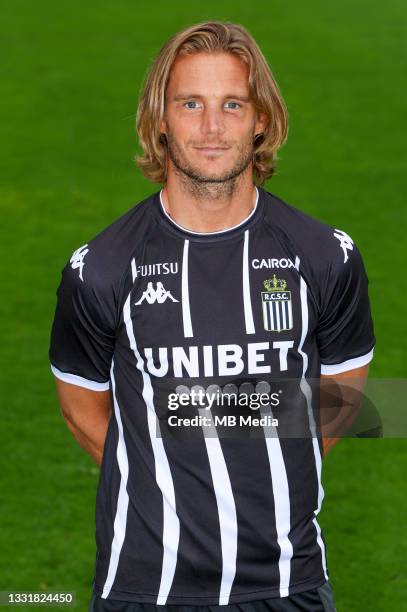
(210,123)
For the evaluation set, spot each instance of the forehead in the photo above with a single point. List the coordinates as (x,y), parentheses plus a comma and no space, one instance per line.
(209,74)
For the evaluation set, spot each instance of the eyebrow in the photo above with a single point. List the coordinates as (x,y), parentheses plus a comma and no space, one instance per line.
(180,97)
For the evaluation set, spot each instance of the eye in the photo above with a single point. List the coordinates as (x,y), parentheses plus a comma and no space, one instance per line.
(192,104)
(233,105)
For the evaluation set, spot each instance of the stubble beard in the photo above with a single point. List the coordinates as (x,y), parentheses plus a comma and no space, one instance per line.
(207,186)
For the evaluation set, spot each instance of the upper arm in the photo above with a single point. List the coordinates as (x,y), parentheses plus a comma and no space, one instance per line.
(360,373)
(80,406)
(341,396)
(355,378)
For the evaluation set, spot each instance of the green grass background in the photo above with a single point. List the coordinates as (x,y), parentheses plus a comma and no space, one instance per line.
(70,75)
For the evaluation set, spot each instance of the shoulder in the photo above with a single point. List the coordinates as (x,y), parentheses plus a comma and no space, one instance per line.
(101,261)
(314,241)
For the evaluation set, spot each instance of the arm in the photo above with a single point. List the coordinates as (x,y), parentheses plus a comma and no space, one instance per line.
(344,334)
(351,384)
(82,346)
(87,414)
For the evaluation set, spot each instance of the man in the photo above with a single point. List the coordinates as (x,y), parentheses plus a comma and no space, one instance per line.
(211,285)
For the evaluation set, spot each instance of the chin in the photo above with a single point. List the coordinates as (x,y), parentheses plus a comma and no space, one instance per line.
(215,176)
(215,173)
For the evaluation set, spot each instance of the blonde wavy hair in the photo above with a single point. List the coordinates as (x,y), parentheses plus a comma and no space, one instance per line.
(211,37)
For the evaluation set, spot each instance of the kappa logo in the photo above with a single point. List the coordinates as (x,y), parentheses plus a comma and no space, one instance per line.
(152,295)
(277,306)
(346,243)
(77,258)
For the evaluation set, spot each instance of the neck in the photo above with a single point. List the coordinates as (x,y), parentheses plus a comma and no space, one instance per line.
(209,206)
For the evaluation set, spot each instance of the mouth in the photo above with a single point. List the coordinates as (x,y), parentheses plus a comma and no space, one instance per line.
(211,150)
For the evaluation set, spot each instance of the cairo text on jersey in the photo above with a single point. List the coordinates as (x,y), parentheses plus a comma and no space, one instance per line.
(273,262)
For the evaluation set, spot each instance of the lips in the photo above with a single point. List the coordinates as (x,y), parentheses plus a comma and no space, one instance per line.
(212,149)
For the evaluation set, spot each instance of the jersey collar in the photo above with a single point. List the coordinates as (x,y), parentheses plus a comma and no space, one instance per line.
(226,234)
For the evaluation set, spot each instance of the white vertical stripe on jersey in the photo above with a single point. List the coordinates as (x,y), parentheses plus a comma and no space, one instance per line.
(266,317)
(271,315)
(284,315)
(186,312)
(278,311)
(281,494)
(247,301)
(306,389)
(290,315)
(171,526)
(226,507)
(123,499)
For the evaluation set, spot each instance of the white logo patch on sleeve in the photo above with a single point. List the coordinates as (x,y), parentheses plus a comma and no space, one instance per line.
(346,243)
(76,260)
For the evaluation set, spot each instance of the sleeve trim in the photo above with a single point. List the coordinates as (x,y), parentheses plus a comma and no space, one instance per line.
(349,364)
(79,381)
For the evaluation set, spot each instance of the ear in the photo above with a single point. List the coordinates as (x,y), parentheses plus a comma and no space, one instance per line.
(163,127)
(260,125)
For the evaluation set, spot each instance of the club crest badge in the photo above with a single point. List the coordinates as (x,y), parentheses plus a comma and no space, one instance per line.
(277,306)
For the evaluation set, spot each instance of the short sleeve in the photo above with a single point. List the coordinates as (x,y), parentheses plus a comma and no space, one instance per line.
(344,334)
(83,334)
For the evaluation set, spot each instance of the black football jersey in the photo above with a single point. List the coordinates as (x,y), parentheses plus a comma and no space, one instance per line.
(198,502)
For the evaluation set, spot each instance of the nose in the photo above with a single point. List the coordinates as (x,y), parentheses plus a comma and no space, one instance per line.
(212,121)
